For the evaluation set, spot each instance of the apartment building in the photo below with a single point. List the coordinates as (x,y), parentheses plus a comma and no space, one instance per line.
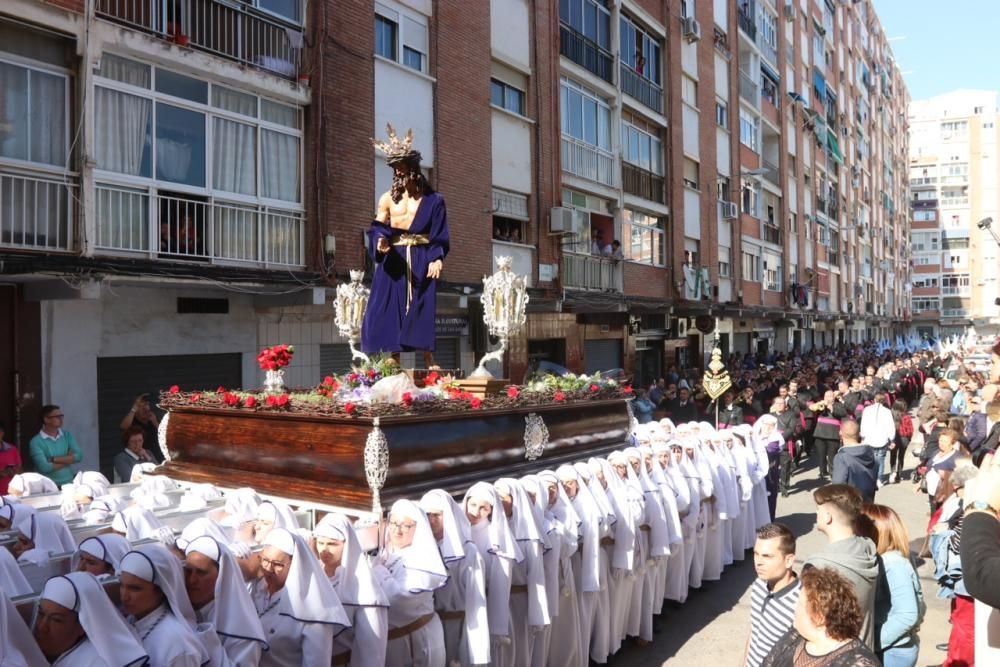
(955,201)
(182,181)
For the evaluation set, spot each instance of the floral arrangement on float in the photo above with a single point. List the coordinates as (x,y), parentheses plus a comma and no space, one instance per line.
(379,387)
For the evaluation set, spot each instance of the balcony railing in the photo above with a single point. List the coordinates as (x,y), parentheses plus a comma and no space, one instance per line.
(588,272)
(586,53)
(770,171)
(587,161)
(749,90)
(174,228)
(954,312)
(641,88)
(923,203)
(232,30)
(641,183)
(747,24)
(769,52)
(771,233)
(36,210)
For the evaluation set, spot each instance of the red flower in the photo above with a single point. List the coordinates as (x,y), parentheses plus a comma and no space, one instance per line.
(407,398)
(174,389)
(195,397)
(370,373)
(250,401)
(232,400)
(220,390)
(475,403)
(626,389)
(282,401)
(560,396)
(512,392)
(270,401)
(353,377)
(431,379)
(594,388)
(349,408)
(329,381)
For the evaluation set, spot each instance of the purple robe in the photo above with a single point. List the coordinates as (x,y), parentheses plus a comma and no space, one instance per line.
(390,326)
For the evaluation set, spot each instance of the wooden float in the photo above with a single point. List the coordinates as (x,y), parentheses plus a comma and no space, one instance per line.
(322,459)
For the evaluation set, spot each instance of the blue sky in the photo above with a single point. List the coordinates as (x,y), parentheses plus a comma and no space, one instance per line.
(942,46)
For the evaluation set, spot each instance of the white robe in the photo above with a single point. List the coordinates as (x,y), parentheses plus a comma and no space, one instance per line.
(292,642)
(467,640)
(169,641)
(366,638)
(564,644)
(82,654)
(239,651)
(423,647)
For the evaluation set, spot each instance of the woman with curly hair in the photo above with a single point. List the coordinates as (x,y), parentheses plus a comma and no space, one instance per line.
(826,626)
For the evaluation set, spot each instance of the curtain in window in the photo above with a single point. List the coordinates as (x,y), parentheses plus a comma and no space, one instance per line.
(13,111)
(122,125)
(280,164)
(48,122)
(234,157)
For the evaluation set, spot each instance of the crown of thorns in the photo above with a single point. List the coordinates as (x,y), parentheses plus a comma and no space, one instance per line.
(396,149)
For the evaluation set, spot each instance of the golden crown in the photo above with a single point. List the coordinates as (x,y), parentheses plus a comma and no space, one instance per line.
(396,148)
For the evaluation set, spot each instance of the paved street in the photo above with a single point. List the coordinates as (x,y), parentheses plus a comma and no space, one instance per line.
(711,628)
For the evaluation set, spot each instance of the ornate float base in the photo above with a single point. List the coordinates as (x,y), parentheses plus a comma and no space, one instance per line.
(321,459)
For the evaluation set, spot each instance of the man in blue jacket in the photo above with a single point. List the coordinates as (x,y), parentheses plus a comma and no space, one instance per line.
(855,463)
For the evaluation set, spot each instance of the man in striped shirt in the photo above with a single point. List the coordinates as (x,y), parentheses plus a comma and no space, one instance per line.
(774,593)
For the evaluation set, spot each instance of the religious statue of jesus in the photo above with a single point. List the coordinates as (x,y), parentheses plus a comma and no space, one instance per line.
(408,241)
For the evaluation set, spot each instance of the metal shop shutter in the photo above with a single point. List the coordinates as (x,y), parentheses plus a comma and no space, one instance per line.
(334,359)
(446,354)
(602,355)
(121,379)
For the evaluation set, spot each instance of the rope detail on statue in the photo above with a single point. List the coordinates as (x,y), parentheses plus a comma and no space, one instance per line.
(408,241)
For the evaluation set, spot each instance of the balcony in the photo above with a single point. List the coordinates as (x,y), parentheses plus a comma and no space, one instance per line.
(749,90)
(587,161)
(769,52)
(747,24)
(641,88)
(586,53)
(36,210)
(921,204)
(956,290)
(770,171)
(955,313)
(174,228)
(588,272)
(771,233)
(641,183)
(231,30)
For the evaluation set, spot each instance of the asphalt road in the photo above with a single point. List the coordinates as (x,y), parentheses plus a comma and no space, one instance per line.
(711,627)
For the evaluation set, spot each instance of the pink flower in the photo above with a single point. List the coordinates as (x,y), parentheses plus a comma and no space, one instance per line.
(475,403)
(512,392)
(195,397)
(250,401)
(174,389)
(627,389)
(594,388)
(349,408)
(560,396)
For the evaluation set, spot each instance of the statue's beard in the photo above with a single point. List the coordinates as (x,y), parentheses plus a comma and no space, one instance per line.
(399,182)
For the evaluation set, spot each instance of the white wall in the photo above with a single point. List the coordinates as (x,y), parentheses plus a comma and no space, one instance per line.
(692,214)
(511,152)
(405,99)
(690,125)
(510,32)
(130,321)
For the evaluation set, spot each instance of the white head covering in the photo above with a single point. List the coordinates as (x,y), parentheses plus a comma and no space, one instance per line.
(109,547)
(586,474)
(139,471)
(48,533)
(92,478)
(656,515)
(533,487)
(457,531)
(199,527)
(153,501)
(279,514)
(356,584)
(101,509)
(12,580)
(136,523)
(16,513)
(309,595)
(155,484)
(628,509)
(501,538)
(153,563)
(32,484)
(198,497)
(233,613)
(18,648)
(106,630)
(562,510)
(425,571)
(523,522)
(241,507)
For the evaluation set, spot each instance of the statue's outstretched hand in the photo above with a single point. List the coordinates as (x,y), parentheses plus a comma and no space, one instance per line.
(434,269)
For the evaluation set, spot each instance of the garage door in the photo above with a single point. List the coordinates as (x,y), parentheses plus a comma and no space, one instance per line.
(334,359)
(602,355)
(121,379)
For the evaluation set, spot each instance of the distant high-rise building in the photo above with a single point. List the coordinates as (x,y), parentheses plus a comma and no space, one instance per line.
(954,212)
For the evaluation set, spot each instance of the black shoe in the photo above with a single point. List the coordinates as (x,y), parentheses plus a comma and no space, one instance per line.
(942,647)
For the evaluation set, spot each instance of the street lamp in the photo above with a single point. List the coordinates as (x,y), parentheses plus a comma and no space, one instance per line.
(987,225)
(349,311)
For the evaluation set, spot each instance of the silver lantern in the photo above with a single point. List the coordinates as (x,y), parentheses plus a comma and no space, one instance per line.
(505,299)
(349,311)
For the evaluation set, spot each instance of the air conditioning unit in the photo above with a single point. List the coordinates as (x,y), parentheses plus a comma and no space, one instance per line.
(563,220)
(682,327)
(789,10)
(692,29)
(729,211)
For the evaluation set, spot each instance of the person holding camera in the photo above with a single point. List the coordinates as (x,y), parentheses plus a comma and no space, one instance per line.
(142,416)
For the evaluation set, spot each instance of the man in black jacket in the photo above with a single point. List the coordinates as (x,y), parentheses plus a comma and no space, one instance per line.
(682,409)
(730,414)
(788,426)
